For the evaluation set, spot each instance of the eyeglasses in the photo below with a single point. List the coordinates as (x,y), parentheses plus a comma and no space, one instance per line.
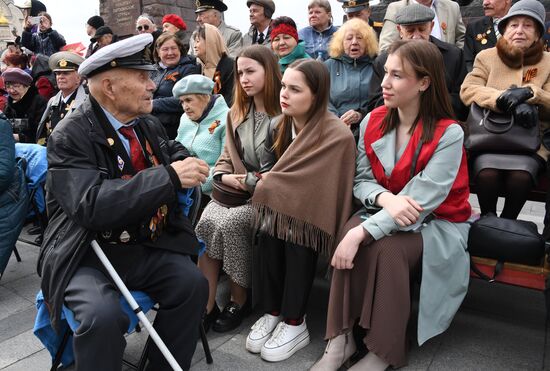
(13,85)
(168,49)
(144,27)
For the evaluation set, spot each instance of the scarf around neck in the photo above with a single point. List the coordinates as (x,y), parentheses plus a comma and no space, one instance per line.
(307,196)
(515,58)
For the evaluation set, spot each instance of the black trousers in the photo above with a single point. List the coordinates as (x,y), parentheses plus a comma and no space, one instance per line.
(287,274)
(170,279)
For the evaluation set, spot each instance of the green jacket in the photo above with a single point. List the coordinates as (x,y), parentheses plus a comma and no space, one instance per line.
(205,139)
(299,52)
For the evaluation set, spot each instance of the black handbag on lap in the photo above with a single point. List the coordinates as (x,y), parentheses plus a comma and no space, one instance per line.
(227,196)
(506,240)
(493,132)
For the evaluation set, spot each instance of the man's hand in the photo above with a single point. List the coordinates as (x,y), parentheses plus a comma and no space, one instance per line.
(236,181)
(347,248)
(403,209)
(191,171)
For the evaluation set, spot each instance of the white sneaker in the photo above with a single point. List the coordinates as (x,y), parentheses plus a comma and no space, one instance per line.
(285,341)
(260,332)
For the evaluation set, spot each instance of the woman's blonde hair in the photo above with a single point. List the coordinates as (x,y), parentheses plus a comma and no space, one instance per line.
(336,48)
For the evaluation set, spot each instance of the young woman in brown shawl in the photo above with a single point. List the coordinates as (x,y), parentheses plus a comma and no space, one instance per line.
(301,204)
(227,231)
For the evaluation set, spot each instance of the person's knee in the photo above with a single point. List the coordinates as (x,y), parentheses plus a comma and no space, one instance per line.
(192,286)
(104,319)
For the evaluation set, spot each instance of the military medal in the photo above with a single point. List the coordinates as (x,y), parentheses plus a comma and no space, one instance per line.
(120,163)
(124,236)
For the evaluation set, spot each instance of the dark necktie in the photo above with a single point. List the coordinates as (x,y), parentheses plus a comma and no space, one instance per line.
(136,152)
(261,38)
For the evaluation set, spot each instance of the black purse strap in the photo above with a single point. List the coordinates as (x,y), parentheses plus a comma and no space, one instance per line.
(491,128)
(498,268)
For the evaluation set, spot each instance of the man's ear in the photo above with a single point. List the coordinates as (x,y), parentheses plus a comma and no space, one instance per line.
(107,87)
(399,30)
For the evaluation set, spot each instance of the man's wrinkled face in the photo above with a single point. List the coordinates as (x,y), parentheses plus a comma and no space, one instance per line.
(419,31)
(133,90)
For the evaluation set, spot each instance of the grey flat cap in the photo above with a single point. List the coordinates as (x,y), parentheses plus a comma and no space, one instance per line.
(414,14)
(529,8)
(127,53)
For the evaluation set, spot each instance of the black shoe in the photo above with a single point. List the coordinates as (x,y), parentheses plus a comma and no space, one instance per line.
(231,317)
(210,318)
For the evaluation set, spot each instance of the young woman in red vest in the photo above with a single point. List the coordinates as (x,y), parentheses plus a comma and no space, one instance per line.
(412,178)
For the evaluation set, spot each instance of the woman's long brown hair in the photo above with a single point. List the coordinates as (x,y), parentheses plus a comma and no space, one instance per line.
(435,103)
(272,86)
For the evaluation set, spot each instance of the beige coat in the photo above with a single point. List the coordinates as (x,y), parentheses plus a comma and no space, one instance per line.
(490,77)
(448,14)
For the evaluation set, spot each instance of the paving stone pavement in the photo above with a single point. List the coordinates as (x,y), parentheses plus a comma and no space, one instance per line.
(498,327)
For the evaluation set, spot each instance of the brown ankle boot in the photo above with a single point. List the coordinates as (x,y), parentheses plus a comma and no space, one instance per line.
(338,350)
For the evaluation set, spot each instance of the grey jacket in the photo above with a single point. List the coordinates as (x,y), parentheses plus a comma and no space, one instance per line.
(349,84)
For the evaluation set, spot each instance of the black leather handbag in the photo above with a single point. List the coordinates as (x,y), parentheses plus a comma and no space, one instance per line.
(227,196)
(506,240)
(493,132)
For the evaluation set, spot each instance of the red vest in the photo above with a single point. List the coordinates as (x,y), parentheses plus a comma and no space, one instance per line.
(456,207)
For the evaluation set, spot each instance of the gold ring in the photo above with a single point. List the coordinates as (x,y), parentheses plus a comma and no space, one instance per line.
(241,180)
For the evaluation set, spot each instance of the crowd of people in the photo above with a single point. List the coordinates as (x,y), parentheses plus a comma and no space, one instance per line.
(331,142)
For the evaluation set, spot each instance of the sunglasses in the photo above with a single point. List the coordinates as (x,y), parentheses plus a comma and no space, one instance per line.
(144,27)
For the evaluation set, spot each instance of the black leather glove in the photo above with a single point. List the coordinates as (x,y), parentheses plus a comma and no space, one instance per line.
(512,97)
(526,115)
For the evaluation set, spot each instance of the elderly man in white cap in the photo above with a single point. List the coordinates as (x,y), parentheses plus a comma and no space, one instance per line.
(114,176)
(71,93)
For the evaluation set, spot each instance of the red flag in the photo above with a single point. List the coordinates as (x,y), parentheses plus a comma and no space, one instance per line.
(77,48)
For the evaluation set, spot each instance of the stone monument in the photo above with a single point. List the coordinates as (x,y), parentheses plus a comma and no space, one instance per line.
(11,22)
(121,15)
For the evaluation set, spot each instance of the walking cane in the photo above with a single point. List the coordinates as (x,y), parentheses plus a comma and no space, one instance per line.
(135,307)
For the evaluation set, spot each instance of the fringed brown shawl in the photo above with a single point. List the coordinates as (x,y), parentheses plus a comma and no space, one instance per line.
(307,196)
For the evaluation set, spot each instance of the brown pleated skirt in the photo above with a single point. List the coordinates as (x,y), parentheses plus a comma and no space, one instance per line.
(377,293)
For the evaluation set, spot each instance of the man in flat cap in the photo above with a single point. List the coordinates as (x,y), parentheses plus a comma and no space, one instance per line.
(357,9)
(114,176)
(448,25)
(70,96)
(482,33)
(260,14)
(210,11)
(415,22)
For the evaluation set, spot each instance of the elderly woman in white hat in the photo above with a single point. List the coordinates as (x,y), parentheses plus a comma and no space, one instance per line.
(202,125)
